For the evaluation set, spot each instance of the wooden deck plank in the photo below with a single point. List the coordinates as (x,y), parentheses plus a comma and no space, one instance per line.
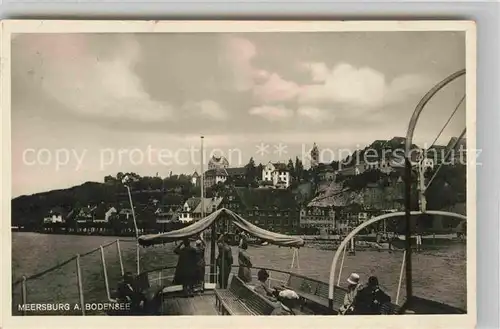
(202,304)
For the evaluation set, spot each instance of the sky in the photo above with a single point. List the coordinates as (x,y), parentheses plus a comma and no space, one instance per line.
(89,105)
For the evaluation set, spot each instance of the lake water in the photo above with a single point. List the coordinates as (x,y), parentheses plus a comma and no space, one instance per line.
(438,274)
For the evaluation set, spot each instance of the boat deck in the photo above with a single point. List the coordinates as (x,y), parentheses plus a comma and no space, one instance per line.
(200,304)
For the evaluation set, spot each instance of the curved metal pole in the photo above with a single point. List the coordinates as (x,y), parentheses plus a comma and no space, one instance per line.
(408,170)
(423,102)
(369,222)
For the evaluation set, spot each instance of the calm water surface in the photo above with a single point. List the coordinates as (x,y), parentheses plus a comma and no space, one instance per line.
(439,274)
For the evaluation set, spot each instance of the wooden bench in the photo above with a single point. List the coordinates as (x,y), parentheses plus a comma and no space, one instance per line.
(239,299)
(390,309)
(316,293)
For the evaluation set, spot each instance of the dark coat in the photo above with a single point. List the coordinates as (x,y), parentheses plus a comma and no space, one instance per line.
(244,272)
(369,300)
(185,272)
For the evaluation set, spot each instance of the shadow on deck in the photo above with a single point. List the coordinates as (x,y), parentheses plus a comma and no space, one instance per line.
(200,304)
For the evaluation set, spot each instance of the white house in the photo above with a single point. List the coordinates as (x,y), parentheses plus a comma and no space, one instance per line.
(195,179)
(55,215)
(186,214)
(277,173)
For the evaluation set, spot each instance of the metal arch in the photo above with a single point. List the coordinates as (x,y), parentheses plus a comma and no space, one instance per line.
(368,223)
(421,105)
(408,172)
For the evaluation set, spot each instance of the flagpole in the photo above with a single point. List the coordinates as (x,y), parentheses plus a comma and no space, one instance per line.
(135,225)
(202,181)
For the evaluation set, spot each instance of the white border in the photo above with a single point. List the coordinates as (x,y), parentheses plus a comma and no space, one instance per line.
(407,321)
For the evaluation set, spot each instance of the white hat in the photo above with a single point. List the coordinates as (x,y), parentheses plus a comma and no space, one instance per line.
(353,278)
(288,294)
(198,242)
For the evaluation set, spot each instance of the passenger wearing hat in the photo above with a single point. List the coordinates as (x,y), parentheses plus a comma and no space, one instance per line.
(350,296)
(262,287)
(287,301)
(370,299)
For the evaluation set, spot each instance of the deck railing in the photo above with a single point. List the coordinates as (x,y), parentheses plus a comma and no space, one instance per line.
(23,282)
(161,276)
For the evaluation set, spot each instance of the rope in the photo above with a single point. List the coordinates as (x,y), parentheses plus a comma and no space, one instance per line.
(447,122)
(446,158)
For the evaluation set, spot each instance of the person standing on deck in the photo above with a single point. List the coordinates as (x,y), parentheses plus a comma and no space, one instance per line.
(185,272)
(287,301)
(224,261)
(200,263)
(245,271)
(352,291)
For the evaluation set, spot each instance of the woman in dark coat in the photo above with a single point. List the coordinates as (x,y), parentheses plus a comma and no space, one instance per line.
(244,272)
(185,272)
(200,263)
(224,261)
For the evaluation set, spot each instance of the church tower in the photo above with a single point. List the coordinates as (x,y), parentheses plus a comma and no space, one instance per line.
(314,156)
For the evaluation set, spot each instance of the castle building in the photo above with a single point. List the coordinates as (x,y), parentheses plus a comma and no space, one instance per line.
(218,163)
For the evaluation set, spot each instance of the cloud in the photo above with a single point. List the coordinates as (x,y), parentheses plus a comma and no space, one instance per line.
(355,88)
(239,53)
(207,108)
(69,72)
(272,113)
(319,71)
(276,89)
(315,114)
(361,87)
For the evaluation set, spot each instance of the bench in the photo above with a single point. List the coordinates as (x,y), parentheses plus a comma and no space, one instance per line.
(390,309)
(239,299)
(316,293)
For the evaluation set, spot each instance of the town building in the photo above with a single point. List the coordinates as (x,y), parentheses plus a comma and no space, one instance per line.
(271,209)
(192,208)
(186,213)
(56,215)
(278,174)
(319,217)
(214,176)
(217,162)
(126,215)
(326,172)
(85,215)
(221,175)
(209,205)
(167,213)
(195,179)
(103,213)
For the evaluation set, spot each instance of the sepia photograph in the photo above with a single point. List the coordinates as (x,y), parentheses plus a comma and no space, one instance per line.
(240,168)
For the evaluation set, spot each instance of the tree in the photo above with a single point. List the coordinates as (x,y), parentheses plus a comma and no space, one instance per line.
(250,171)
(109,179)
(299,169)
(291,168)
